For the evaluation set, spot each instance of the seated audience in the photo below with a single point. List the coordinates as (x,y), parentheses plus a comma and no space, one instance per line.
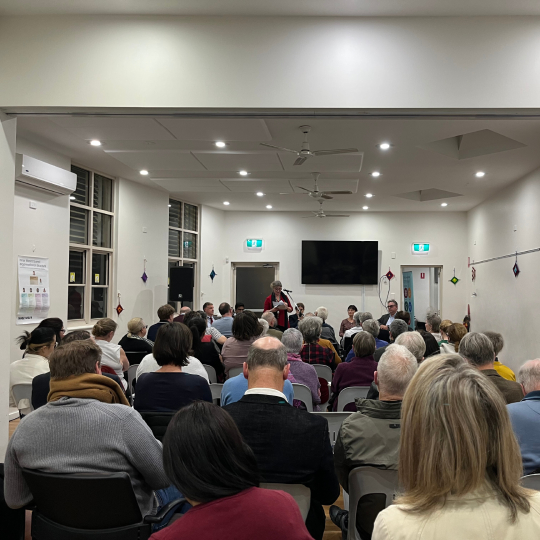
(291,446)
(303,373)
(370,437)
(386,320)
(226,498)
(414,342)
(358,372)
(95,431)
(433,325)
(525,416)
(297,316)
(405,316)
(246,329)
(113,356)
(134,340)
(444,326)
(211,332)
(265,327)
(204,348)
(168,388)
(458,460)
(432,345)
(272,331)
(349,322)
(359,317)
(327,331)
(165,314)
(208,309)
(498,343)
(477,349)
(372,326)
(238,308)
(194,366)
(224,324)
(56,324)
(397,327)
(183,312)
(38,346)
(312,352)
(455,333)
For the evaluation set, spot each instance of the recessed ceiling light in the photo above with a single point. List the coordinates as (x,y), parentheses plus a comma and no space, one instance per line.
(220,144)
(144,172)
(479,174)
(260,194)
(369,195)
(269,206)
(375,174)
(95,142)
(226,203)
(243,173)
(72,198)
(365,207)
(384,146)
(444,204)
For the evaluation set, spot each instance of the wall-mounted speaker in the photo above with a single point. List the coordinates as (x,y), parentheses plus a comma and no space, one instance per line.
(181,284)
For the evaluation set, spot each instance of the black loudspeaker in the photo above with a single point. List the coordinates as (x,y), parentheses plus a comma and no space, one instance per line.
(181,284)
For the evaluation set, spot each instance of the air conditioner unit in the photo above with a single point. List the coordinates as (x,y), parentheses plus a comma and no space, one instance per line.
(38,174)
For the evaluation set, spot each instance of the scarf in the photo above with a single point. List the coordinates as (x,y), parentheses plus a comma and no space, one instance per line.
(87,386)
(281,316)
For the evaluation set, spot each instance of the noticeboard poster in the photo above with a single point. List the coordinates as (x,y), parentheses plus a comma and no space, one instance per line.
(34,293)
(408,296)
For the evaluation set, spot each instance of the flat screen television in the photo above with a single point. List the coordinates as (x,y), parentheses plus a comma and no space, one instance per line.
(340,262)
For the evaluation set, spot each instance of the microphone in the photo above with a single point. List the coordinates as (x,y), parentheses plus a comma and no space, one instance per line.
(287,290)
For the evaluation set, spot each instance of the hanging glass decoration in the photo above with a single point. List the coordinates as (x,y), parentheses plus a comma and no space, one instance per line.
(213,274)
(454,280)
(473,273)
(144,277)
(389,274)
(119,307)
(516,268)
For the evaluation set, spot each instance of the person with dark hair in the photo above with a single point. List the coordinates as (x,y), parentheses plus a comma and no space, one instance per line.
(224,325)
(246,329)
(165,314)
(56,324)
(349,322)
(168,389)
(38,346)
(204,348)
(386,320)
(239,308)
(228,491)
(405,316)
(208,309)
(432,346)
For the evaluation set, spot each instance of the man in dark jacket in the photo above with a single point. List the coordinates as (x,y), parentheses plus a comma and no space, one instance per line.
(291,446)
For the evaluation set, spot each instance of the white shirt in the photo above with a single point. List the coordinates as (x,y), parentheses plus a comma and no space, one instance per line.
(194,367)
(390,320)
(22,372)
(352,331)
(265,392)
(110,357)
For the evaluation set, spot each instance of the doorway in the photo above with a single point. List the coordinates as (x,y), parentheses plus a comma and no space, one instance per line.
(421,292)
(251,283)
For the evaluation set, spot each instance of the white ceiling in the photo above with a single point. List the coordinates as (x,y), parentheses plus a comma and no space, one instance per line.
(274,7)
(195,170)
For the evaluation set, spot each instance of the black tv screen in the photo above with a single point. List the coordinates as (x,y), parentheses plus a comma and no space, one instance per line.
(342,262)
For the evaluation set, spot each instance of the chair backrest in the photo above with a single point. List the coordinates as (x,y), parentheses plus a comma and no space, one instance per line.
(325,372)
(335,419)
(84,501)
(300,493)
(22,391)
(303,394)
(135,357)
(531,481)
(212,376)
(216,389)
(233,372)
(348,395)
(365,480)
(132,375)
(158,422)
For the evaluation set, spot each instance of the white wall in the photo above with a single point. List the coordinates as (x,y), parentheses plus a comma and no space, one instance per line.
(507,304)
(288,62)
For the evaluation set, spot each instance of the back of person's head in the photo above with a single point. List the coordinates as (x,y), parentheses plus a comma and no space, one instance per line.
(184,310)
(292,340)
(414,342)
(164,312)
(432,347)
(188,317)
(434,321)
(371,326)
(357,318)
(246,326)
(33,342)
(135,325)
(267,352)
(455,435)
(365,316)
(104,327)
(205,456)
(56,324)
(76,335)
(311,328)
(397,327)
(363,344)
(403,316)
(395,370)
(477,349)
(445,325)
(268,316)
(265,327)
(322,312)
(455,333)
(172,346)
(197,327)
(529,376)
(75,358)
(224,308)
(496,340)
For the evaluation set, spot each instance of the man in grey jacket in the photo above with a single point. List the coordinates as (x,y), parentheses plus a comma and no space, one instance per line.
(371,435)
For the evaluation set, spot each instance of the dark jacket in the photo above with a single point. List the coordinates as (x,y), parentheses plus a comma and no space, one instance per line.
(379,352)
(511,391)
(328,333)
(384,319)
(291,446)
(153,330)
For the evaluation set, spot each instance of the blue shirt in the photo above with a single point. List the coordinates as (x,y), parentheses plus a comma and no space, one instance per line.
(378,344)
(224,325)
(234,389)
(525,418)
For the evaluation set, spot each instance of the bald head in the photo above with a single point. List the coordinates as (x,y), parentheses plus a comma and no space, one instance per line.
(266,365)
(184,310)
(529,375)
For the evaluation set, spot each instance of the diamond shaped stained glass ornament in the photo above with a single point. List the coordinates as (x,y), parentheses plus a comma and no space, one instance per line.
(119,308)
(516,270)
(389,275)
(144,277)
(212,274)
(454,280)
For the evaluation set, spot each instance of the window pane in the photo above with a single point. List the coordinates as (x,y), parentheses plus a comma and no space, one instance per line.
(83,185)
(75,303)
(175,214)
(100,269)
(102,230)
(76,267)
(175,239)
(190,245)
(98,309)
(102,193)
(190,217)
(78,225)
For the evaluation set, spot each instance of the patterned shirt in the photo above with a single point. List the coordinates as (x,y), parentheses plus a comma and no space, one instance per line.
(313,353)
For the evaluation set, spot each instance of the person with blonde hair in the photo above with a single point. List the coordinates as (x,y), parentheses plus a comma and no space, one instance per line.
(455,333)
(135,340)
(459,462)
(443,327)
(113,356)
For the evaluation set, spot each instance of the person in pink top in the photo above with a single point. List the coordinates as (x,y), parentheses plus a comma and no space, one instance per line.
(206,458)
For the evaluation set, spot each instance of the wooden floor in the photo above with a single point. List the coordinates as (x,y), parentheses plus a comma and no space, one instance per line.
(331,532)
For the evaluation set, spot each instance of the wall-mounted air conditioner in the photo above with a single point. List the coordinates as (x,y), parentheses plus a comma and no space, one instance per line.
(38,174)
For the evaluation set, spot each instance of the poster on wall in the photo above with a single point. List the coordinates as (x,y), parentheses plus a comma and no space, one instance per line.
(408,295)
(34,300)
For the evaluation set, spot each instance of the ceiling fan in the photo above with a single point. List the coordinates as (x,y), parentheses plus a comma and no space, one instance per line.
(316,194)
(321,214)
(305,152)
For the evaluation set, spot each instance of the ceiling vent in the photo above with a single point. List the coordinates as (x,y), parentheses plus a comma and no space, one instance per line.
(423,195)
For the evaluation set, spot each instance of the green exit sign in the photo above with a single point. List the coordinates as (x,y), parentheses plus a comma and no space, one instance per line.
(420,249)
(254,243)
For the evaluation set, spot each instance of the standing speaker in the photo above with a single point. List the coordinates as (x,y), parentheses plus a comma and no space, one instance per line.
(181,284)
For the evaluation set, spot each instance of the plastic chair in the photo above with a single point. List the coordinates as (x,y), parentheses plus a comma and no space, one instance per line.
(303,394)
(348,395)
(212,376)
(233,372)
(300,493)
(158,422)
(335,419)
(131,377)
(366,480)
(20,392)
(216,389)
(66,507)
(135,357)
(324,372)
(531,481)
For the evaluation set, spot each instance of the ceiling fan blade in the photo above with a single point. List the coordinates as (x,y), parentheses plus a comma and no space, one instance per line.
(306,217)
(337,215)
(336,151)
(325,196)
(279,148)
(305,189)
(339,192)
(300,161)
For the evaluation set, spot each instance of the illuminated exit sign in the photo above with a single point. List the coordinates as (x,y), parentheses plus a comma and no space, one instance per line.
(420,249)
(254,244)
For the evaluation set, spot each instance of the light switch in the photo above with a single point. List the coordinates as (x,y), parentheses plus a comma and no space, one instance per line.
(145,229)
(393,254)
(33,205)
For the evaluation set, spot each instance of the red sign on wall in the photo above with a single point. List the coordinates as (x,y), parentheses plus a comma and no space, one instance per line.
(422,275)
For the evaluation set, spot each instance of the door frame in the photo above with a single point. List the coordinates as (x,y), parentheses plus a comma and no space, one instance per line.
(250,264)
(440,266)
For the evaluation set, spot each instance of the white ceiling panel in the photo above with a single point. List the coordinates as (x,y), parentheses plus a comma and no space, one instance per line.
(328,185)
(341,162)
(217,129)
(238,162)
(266,186)
(171,161)
(177,185)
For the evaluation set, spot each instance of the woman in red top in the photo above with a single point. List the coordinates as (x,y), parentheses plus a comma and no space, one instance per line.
(279,312)
(206,458)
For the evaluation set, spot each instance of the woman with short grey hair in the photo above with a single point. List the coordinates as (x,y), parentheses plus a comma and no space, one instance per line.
(279,305)
(312,352)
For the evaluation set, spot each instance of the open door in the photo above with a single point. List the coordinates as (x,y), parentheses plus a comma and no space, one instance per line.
(251,283)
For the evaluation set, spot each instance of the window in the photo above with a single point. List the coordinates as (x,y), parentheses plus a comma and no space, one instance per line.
(183,237)
(90,246)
